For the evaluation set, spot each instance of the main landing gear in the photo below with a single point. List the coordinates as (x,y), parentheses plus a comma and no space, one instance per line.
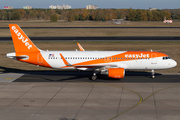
(93,77)
(152,73)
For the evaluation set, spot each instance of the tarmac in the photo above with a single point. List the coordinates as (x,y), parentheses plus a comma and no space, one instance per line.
(72,96)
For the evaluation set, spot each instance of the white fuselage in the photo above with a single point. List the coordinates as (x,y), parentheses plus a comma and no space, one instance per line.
(74,57)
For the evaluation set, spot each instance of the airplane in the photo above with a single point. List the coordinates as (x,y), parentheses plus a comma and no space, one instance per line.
(111,63)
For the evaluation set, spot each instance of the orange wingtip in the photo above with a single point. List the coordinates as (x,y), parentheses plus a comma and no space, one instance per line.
(80,47)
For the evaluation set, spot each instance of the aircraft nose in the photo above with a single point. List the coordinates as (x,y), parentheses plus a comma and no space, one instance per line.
(173,63)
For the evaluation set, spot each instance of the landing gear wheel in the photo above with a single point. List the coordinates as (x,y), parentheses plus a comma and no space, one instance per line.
(152,73)
(153,76)
(93,77)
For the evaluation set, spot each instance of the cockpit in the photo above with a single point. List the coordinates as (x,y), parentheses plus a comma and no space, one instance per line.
(165,58)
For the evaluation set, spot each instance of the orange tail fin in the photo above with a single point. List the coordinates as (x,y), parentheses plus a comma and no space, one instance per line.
(21,41)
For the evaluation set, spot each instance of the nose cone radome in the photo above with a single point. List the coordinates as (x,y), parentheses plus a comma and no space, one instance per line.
(173,63)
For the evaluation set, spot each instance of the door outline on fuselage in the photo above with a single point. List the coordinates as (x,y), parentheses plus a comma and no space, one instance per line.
(153,58)
(39,58)
(108,59)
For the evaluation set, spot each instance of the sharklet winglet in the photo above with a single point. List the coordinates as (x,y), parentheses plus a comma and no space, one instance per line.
(80,47)
(65,61)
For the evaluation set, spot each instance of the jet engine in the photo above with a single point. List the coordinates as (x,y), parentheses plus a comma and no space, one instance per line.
(116,72)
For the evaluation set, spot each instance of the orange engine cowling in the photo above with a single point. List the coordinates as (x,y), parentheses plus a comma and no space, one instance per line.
(116,72)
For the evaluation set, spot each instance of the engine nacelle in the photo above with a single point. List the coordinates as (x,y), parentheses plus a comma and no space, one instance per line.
(116,72)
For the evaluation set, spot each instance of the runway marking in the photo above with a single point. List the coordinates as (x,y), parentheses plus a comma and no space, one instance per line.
(8,78)
(141,99)
(159,91)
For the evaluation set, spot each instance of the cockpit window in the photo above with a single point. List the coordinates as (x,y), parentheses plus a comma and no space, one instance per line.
(165,58)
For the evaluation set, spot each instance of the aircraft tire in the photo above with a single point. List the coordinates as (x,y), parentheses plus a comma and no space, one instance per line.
(153,77)
(93,77)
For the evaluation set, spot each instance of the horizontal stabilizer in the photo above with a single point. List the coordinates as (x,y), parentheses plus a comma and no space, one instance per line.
(13,56)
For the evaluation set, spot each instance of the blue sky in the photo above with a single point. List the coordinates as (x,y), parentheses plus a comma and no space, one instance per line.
(141,4)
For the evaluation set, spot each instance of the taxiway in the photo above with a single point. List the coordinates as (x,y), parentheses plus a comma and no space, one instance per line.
(71,96)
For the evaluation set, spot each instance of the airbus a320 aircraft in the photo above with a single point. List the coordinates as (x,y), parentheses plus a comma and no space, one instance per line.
(112,63)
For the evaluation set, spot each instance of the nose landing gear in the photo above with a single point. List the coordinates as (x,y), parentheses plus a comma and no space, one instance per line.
(152,74)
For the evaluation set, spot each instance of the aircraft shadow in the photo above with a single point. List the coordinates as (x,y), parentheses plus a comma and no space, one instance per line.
(75,76)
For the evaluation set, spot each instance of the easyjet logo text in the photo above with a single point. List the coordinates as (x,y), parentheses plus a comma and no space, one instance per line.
(21,37)
(137,55)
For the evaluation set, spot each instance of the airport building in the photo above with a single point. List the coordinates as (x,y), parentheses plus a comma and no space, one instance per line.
(151,9)
(92,7)
(27,7)
(60,7)
(8,7)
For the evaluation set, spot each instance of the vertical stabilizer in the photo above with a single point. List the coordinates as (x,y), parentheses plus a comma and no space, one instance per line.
(21,41)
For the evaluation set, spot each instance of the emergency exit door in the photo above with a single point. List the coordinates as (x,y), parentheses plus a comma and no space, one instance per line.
(153,58)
